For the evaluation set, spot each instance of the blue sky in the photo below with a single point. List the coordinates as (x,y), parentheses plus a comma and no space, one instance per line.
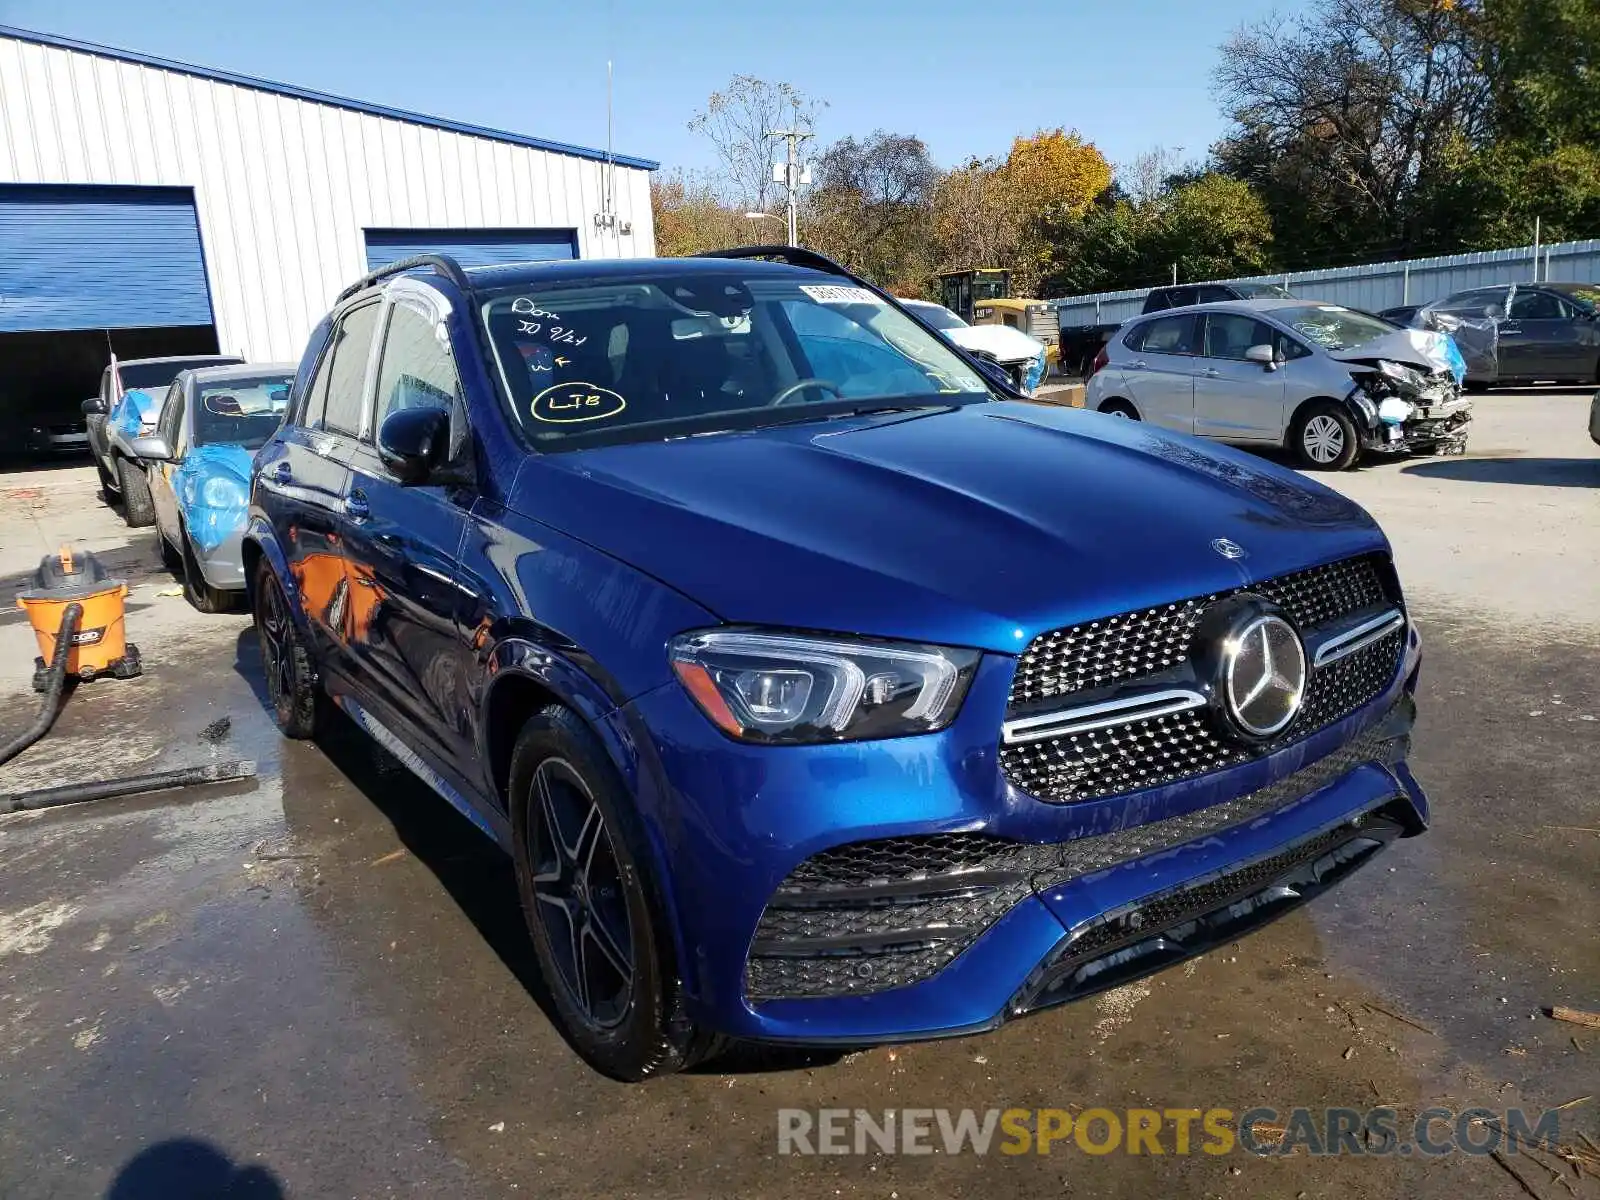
(1130,74)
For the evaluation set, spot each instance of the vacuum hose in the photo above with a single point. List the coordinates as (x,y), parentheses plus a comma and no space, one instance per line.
(56,680)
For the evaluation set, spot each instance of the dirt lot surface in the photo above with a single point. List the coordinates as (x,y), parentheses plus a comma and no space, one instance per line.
(318,985)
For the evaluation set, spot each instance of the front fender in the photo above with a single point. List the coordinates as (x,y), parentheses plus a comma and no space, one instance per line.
(522,654)
(260,535)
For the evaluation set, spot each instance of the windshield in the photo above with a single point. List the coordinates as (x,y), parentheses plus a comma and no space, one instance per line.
(1332,327)
(150,376)
(628,360)
(938,316)
(1261,291)
(240,412)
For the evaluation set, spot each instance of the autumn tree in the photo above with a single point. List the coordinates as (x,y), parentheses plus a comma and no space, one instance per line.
(689,218)
(974,222)
(1055,172)
(1345,118)
(1049,181)
(871,206)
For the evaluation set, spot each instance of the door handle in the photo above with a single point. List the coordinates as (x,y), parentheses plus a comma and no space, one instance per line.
(282,473)
(1510,327)
(1211,372)
(356,506)
(1140,365)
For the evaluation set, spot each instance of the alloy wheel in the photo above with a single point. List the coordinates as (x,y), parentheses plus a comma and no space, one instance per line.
(1323,439)
(275,634)
(580,901)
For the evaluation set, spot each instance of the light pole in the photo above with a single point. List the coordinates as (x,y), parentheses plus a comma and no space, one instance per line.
(792,173)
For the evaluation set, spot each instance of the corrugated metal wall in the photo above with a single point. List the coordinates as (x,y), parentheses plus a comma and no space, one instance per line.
(284,187)
(1376,286)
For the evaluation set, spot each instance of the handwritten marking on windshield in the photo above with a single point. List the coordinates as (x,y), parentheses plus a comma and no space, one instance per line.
(525,307)
(568,403)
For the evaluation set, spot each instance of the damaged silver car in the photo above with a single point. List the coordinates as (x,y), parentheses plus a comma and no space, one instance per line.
(1326,382)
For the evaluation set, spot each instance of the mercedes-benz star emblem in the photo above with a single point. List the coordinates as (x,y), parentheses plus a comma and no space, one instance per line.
(1227,547)
(1264,675)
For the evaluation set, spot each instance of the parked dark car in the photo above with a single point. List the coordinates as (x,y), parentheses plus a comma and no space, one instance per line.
(50,437)
(112,425)
(1546,331)
(1401,314)
(1183,294)
(820,689)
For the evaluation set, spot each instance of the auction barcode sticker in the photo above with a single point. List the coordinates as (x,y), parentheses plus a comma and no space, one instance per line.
(830,294)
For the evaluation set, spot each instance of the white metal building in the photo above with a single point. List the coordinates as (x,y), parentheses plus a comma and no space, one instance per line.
(162,208)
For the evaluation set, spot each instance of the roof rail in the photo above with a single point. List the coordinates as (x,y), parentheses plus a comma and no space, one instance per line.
(795,256)
(442,263)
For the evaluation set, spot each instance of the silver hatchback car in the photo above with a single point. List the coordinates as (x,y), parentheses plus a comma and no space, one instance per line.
(1324,381)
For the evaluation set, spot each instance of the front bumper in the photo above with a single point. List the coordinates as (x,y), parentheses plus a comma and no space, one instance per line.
(1432,429)
(223,564)
(1045,902)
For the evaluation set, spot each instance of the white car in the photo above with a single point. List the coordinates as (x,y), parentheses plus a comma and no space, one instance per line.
(1020,356)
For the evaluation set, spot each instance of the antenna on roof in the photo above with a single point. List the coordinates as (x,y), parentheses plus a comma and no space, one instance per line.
(606,218)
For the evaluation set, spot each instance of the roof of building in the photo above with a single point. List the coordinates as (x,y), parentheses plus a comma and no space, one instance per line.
(316,97)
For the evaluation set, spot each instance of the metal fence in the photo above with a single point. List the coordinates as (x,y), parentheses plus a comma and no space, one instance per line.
(1376,286)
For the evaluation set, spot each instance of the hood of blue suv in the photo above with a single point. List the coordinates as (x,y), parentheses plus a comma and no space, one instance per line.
(978,526)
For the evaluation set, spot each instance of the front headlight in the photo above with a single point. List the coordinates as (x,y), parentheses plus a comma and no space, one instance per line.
(222,491)
(781,687)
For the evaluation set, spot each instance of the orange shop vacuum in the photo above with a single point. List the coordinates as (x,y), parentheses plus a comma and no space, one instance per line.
(98,645)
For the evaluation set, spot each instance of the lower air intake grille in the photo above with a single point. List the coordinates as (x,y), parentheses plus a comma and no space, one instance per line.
(870,916)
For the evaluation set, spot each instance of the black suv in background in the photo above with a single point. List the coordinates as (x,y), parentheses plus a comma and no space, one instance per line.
(1184,294)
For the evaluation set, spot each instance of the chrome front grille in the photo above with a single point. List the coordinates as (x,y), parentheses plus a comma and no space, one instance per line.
(1127,648)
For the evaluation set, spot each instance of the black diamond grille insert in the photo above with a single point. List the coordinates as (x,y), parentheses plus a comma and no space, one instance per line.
(1135,644)
(869,916)
(1150,753)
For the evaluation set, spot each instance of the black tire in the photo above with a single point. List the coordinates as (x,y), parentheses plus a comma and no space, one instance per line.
(171,559)
(1476,386)
(1120,408)
(138,509)
(108,485)
(292,689)
(1324,437)
(591,906)
(196,590)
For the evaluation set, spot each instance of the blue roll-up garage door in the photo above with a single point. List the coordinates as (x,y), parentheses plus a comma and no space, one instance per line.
(471,247)
(74,257)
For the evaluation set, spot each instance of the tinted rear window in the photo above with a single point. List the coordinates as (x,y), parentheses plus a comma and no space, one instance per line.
(148,376)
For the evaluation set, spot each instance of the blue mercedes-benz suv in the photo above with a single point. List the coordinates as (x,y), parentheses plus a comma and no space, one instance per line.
(821,689)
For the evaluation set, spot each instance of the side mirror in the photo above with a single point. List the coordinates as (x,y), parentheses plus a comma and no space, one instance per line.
(94,406)
(414,442)
(1264,355)
(152,447)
